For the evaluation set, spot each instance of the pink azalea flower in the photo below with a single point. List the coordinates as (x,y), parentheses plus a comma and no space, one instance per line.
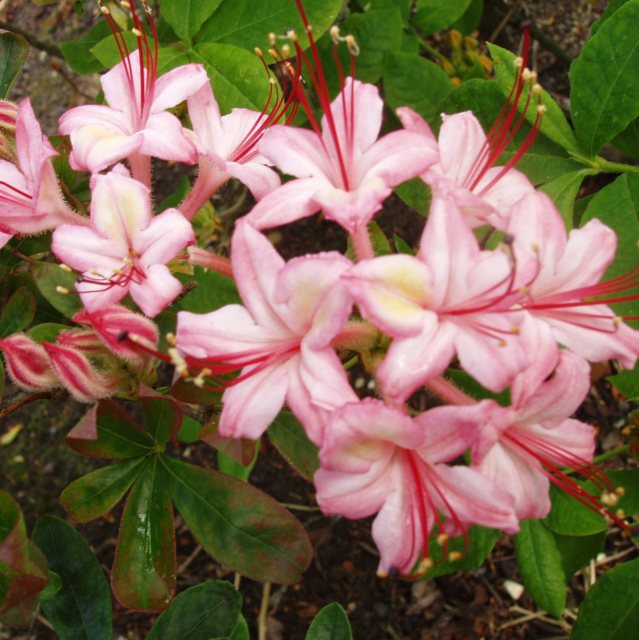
(126,248)
(523,447)
(280,339)
(483,192)
(136,122)
(567,293)
(228,148)
(449,299)
(343,168)
(375,459)
(30,199)
(28,363)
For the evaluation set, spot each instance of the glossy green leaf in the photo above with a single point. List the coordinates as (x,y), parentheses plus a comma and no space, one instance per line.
(628,140)
(376,31)
(143,575)
(604,95)
(577,551)
(290,439)
(208,611)
(241,631)
(237,22)
(331,623)
(540,566)
(23,568)
(55,584)
(563,192)
(106,50)
(14,52)
(628,481)
(81,610)
(97,492)
(162,417)
(611,607)
(617,205)
(231,467)
(416,194)
(212,291)
(468,22)
(553,124)
(108,431)
(47,331)
(18,312)
(78,54)
(569,517)
(238,524)
(611,7)
(237,75)
(413,81)
(189,431)
(434,15)
(481,541)
(242,450)
(48,276)
(186,17)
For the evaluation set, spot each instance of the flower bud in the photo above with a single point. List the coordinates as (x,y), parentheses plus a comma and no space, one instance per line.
(77,373)
(85,341)
(28,363)
(114,324)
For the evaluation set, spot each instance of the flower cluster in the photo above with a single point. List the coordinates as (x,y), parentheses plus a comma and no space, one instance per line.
(526,315)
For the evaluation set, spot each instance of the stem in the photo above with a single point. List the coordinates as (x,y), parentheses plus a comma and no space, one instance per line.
(261,620)
(448,392)
(208,181)
(207,260)
(362,243)
(356,336)
(236,581)
(26,400)
(607,166)
(51,49)
(613,453)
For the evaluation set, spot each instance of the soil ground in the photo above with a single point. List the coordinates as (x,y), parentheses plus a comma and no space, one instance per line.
(36,466)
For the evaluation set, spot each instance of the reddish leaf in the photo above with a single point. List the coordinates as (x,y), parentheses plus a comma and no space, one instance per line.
(118,435)
(143,575)
(236,523)
(162,416)
(23,568)
(242,450)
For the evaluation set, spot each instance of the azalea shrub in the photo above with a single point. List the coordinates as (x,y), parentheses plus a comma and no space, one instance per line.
(474,339)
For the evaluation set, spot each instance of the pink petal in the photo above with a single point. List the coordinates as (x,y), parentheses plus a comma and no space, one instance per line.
(83,249)
(177,85)
(166,235)
(461,139)
(156,291)
(32,148)
(118,91)
(204,113)
(98,296)
(412,121)
(163,137)
(96,147)
(258,178)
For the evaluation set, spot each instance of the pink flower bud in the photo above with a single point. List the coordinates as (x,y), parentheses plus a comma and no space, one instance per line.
(85,341)
(28,363)
(121,330)
(8,115)
(77,373)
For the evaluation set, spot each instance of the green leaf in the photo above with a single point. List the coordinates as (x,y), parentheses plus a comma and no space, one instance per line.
(238,23)
(97,492)
(78,52)
(563,192)
(540,566)
(416,194)
(18,312)
(569,517)
(106,50)
(471,18)
(413,81)
(241,526)
(231,467)
(628,480)
(23,568)
(434,15)
(241,631)
(143,575)
(481,541)
(189,431)
(81,610)
(604,95)
(14,52)
(553,124)
(611,7)
(577,551)
(628,140)
(162,417)
(186,17)
(55,584)
(376,32)
(48,276)
(331,623)
(617,205)
(212,292)
(208,611)
(237,75)
(47,331)
(610,609)
(290,439)
(108,431)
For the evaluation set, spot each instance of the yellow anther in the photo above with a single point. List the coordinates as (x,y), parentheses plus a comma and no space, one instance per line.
(199,381)
(537,89)
(515,330)
(170,338)
(541,109)
(453,556)
(179,362)
(620,491)
(442,538)
(334,33)
(382,574)
(524,290)
(518,62)
(352,45)
(620,513)
(63,290)
(258,52)
(66,267)
(272,39)
(286,51)
(502,343)
(136,32)
(609,499)
(424,565)
(105,10)
(125,4)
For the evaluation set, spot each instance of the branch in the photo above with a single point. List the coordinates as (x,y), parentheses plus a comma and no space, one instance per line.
(51,49)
